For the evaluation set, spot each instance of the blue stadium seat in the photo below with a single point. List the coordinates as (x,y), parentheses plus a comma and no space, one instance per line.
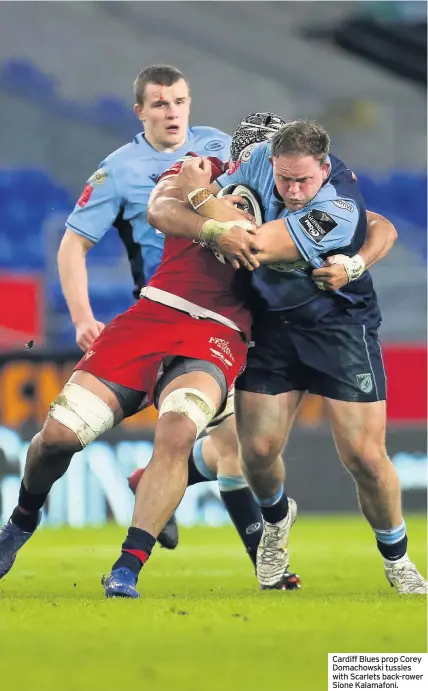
(27,200)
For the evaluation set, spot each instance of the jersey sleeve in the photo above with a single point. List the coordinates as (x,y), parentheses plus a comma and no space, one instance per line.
(97,207)
(322,227)
(245,171)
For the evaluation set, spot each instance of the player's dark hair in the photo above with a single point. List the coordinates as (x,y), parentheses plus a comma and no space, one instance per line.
(165,75)
(301,137)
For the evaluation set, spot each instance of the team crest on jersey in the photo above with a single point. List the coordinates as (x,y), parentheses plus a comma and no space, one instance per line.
(365,382)
(343,204)
(98,178)
(215,145)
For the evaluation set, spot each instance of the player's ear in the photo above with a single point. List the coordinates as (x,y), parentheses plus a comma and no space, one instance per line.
(325,171)
(139,111)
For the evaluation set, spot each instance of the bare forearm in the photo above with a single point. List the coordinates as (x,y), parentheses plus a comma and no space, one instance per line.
(173,216)
(277,245)
(74,277)
(380,237)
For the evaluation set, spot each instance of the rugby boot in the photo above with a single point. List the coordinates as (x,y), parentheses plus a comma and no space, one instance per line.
(12,539)
(272,552)
(120,583)
(405,578)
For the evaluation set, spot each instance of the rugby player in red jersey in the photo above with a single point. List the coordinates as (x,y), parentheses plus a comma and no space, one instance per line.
(182,347)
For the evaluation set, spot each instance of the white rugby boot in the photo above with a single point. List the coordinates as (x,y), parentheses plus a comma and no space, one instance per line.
(272,554)
(405,578)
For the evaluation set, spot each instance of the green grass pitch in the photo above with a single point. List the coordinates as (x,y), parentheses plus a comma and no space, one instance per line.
(201,623)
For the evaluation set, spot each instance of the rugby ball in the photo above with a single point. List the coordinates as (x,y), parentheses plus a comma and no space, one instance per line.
(251,203)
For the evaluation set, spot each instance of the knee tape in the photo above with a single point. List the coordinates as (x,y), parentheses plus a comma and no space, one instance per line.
(190,402)
(83,412)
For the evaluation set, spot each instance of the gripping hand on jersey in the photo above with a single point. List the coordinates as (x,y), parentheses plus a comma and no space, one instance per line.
(196,174)
(337,271)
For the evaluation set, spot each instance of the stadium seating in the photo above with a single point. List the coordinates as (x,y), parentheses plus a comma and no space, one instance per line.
(32,201)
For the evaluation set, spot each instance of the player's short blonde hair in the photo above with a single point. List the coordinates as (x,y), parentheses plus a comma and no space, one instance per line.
(301,137)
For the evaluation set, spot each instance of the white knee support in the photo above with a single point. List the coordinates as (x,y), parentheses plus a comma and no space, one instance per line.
(228,410)
(83,412)
(190,402)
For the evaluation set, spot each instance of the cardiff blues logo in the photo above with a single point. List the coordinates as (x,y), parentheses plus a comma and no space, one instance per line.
(365,382)
(215,145)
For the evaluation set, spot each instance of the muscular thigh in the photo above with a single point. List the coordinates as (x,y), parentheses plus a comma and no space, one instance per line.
(358,429)
(264,420)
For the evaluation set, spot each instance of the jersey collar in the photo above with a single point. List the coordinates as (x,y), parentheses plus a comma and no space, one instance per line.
(147,149)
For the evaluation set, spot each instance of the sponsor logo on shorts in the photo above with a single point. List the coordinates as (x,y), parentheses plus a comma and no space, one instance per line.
(85,196)
(253,528)
(215,145)
(343,204)
(223,345)
(317,224)
(365,382)
(221,357)
(89,353)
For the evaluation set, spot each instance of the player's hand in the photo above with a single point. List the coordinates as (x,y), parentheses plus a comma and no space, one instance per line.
(331,276)
(238,246)
(224,209)
(195,172)
(87,332)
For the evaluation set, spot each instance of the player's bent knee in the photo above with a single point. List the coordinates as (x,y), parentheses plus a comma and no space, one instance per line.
(83,412)
(259,450)
(174,437)
(370,463)
(55,439)
(192,403)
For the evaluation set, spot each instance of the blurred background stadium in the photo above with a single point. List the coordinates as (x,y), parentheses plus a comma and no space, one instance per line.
(66,73)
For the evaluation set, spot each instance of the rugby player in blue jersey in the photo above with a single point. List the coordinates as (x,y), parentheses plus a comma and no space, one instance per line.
(305,339)
(117,195)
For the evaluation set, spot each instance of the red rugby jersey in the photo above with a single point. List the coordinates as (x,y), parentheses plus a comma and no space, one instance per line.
(192,271)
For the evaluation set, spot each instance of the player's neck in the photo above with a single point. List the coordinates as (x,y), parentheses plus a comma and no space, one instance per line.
(161,148)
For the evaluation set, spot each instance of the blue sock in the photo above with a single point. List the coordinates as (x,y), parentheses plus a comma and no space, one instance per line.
(198,470)
(243,510)
(392,544)
(275,508)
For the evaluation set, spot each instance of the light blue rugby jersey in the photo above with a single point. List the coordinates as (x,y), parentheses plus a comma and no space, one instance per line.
(333,222)
(117,195)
